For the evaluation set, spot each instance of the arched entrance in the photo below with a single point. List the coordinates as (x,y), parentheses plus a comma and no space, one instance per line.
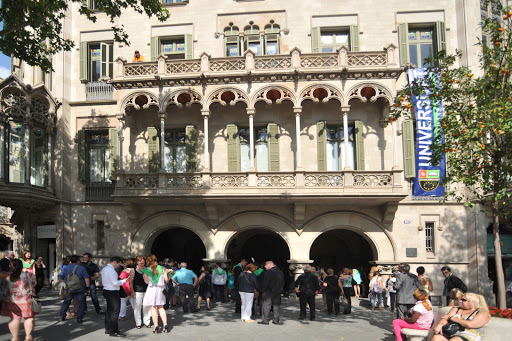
(341,248)
(180,244)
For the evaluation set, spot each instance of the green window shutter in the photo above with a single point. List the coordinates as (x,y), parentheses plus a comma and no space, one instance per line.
(321,151)
(113,144)
(403,36)
(354,38)
(191,147)
(155,48)
(408,148)
(83,60)
(104,59)
(440,36)
(189,46)
(359,145)
(315,40)
(153,150)
(273,147)
(82,150)
(233,148)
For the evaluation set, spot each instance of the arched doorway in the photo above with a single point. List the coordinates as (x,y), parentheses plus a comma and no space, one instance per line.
(341,248)
(180,244)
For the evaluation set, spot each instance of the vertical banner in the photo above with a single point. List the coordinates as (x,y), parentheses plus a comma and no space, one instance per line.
(428,116)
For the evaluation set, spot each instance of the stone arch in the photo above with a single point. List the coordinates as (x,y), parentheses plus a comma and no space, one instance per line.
(383,246)
(271,93)
(130,101)
(380,91)
(147,230)
(330,92)
(182,97)
(225,95)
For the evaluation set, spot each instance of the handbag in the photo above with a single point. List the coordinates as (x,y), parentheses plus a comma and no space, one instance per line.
(35,304)
(451,328)
(343,301)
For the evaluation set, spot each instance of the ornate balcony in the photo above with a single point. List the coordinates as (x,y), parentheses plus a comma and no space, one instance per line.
(250,68)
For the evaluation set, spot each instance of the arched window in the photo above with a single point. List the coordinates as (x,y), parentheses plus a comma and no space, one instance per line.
(272,44)
(232,41)
(252,38)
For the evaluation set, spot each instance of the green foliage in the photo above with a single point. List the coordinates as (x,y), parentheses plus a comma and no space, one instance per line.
(475,135)
(32,30)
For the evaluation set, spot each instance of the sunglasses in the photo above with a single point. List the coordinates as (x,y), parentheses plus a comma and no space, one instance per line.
(463,300)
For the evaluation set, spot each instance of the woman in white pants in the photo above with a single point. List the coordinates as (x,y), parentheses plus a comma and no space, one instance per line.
(128,268)
(138,290)
(247,286)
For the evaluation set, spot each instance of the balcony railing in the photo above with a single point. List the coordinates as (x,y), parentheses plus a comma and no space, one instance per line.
(96,91)
(99,191)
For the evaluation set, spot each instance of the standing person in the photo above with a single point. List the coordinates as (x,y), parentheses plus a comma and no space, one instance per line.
(247,286)
(357,286)
(126,273)
(346,282)
(376,291)
(94,273)
(405,285)
(138,290)
(306,286)
(425,282)
(156,277)
(205,287)
(77,281)
(186,280)
(332,291)
(28,262)
(16,303)
(422,316)
(219,279)
(273,282)
(111,285)
(321,277)
(39,267)
(390,282)
(230,285)
(451,281)
(237,270)
(5,269)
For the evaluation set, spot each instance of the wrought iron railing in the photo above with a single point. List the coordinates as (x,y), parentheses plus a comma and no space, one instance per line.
(96,91)
(99,191)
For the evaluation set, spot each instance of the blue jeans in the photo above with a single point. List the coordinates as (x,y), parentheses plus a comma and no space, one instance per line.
(80,296)
(372,299)
(94,297)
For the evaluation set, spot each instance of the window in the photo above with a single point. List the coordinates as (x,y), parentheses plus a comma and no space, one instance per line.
(38,148)
(175,152)
(17,152)
(96,61)
(266,148)
(180,150)
(97,154)
(252,39)
(178,47)
(418,42)
(40,76)
(232,41)
(329,39)
(331,147)
(267,43)
(429,236)
(100,234)
(272,39)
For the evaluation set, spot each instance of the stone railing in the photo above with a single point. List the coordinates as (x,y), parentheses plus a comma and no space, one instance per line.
(342,60)
(360,182)
(97,91)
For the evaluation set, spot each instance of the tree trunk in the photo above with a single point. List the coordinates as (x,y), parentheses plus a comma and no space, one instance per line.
(500,276)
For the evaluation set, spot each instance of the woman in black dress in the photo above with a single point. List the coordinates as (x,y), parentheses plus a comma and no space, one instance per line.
(332,291)
(39,267)
(205,287)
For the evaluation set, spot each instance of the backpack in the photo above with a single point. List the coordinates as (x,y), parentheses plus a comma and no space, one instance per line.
(73,282)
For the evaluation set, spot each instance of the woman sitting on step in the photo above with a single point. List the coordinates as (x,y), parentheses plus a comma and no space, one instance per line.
(422,315)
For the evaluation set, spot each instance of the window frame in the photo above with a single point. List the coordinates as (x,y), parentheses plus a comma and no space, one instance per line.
(106,176)
(272,35)
(252,35)
(438,38)
(105,60)
(231,38)
(157,41)
(21,156)
(333,32)
(173,147)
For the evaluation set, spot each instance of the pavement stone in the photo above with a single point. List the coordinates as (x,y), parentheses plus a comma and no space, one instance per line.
(220,323)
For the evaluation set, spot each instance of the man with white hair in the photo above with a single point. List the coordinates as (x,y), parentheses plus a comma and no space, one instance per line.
(186,280)
(273,283)
(306,287)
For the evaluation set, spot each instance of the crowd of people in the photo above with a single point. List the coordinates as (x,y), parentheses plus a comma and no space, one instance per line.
(255,289)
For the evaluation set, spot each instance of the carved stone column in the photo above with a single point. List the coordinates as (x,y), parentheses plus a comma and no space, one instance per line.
(345,110)
(206,160)
(251,113)
(2,147)
(298,111)
(162,141)
(121,119)
(50,133)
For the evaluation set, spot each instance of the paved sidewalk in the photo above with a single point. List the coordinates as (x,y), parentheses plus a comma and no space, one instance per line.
(220,323)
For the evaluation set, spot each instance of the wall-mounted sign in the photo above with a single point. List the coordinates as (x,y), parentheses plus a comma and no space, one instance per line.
(46,231)
(407,221)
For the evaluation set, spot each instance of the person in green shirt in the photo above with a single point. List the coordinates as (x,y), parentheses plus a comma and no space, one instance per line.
(28,262)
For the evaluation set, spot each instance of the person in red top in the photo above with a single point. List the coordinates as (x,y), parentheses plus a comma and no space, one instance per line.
(137,57)
(128,266)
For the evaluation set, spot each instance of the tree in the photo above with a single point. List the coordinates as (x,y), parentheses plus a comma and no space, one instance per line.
(32,30)
(475,135)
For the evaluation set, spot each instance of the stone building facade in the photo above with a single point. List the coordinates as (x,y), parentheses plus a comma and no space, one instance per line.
(254,129)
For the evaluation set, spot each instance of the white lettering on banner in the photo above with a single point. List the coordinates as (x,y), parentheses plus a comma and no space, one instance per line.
(424,127)
(46,231)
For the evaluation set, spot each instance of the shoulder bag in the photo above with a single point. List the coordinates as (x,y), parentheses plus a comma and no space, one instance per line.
(451,328)
(35,304)
(256,293)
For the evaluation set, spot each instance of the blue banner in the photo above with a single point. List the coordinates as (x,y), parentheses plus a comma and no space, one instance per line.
(428,117)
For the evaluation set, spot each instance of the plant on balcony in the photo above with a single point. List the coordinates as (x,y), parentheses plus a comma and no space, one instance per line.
(475,135)
(28,24)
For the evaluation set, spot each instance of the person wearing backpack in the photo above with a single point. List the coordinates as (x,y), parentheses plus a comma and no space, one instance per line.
(77,280)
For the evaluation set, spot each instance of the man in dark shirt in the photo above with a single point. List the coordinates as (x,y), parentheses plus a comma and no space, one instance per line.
(450,282)
(306,286)
(237,270)
(94,272)
(273,283)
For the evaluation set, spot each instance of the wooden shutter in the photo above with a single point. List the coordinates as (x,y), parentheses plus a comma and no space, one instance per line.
(191,148)
(83,60)
(155,48)
(360,162)
(104,59)
(113,144)
(82,149)
(440,36)
(273,147)
(408,148)
(316,40)
(233,148)
(403,36)
(189,46)
(153,150)
(354,38)
(321,152)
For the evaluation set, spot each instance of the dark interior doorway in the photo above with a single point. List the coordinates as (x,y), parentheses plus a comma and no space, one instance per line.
(180,244)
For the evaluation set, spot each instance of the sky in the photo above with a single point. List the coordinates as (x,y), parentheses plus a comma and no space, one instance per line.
(5,62)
